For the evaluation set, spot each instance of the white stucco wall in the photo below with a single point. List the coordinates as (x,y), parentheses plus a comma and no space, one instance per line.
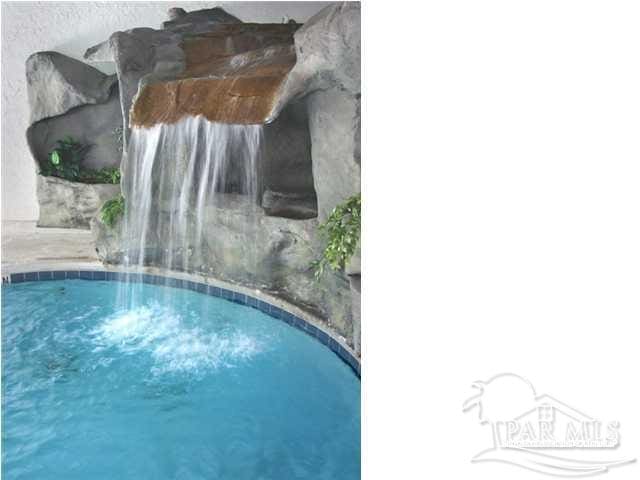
(70,28)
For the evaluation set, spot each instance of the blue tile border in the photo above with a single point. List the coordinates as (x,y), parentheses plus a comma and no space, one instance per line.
(44,276)
(31,277)
(204,288)
(59,275)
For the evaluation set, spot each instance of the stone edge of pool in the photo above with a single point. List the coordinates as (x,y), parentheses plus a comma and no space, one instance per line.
(271,305)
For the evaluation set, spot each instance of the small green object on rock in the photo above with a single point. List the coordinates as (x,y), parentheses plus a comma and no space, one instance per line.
(112,210)
(55,157)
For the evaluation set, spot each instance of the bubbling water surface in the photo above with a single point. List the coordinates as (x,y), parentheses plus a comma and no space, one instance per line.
(201,388)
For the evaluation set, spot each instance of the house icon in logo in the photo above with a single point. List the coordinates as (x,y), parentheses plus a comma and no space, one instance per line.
(536,431)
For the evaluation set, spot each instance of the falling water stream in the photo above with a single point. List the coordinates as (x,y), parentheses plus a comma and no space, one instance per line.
(174,172)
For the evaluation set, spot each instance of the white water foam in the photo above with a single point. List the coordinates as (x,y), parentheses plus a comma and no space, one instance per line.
(173,345)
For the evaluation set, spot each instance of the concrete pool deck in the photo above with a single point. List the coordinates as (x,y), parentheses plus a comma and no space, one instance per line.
(27,247)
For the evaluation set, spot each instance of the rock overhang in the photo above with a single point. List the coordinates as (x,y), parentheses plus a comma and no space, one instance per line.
(232,74)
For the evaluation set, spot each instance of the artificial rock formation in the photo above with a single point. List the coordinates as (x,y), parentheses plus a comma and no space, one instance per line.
(205,62)
(99,126)
(208,63)
(57,83)
(138,53)
(289,205)
(302,84)
(231,75)
(198,20)
(327,77)
(65,204)
(70,98)
(243,245)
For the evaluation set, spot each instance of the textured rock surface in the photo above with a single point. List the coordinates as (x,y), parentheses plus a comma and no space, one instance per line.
(70,98)
(57,83)
(286,167)
(353,267)
(71,28)
(327,76)
(137,53)
(275,254)
(234,72)
(243,245)
(328,54)
(203,63)
(231,75)
(69,204)
(107,240)
(198,20)
(334,121)
(98,125)
(224,70)
(289,205)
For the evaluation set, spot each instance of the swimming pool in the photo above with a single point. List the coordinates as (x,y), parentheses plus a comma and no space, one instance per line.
(204,388)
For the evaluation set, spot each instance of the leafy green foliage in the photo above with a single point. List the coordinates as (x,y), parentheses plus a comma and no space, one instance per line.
(104,175)
(65,162)
(112,210)
(65,159)
(342,232)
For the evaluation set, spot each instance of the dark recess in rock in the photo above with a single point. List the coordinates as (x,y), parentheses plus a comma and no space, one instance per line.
(289,205)
(99,126)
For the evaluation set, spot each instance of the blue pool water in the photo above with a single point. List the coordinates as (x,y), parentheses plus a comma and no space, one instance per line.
(204,389)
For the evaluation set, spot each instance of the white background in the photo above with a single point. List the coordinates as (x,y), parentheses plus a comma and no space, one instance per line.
(501,187)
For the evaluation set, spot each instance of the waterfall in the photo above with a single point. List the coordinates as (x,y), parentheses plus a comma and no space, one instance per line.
(173,173)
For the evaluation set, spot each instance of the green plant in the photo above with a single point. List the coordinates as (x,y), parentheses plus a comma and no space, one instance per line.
(112,210)
(65,159)
(104,175)
(109,175)
(65,162)
(342,232)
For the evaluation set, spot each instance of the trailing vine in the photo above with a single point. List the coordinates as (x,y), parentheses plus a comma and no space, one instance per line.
(342,233)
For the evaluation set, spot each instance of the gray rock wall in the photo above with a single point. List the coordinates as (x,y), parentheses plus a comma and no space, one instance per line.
(57,83)
(287,164)
(65,204)
(98,125)
(70,98)
(137,53)
(242,245)
(334,124)
(312,150)
(326,78)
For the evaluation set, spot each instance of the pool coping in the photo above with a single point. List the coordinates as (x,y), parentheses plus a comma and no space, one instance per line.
(270,304)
